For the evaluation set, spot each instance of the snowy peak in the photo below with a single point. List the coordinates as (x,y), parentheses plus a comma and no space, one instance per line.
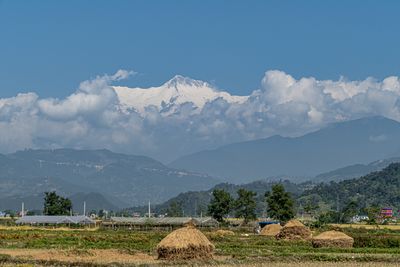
(168,97)
(181,81)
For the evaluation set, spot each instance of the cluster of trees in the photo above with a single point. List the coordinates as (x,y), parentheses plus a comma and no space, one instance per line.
(280,205)
(56,205)
(346,214)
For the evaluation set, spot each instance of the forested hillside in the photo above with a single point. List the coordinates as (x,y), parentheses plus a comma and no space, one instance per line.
(377,189)
(380,188)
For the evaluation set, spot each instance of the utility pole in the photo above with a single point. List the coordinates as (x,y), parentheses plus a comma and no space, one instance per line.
(149,210)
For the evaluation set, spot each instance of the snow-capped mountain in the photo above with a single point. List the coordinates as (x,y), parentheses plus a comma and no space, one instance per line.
(169,96)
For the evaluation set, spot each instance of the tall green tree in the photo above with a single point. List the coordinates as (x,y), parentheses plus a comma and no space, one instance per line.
(245,205)
(351,209)
(175,209)
(56,205)
(373,214)
(220,204)
(311,207)
(280,203)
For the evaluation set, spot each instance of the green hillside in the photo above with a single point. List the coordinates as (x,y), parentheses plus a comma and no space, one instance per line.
(380,188)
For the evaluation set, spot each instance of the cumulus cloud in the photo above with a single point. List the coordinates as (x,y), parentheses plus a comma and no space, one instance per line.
(92,117)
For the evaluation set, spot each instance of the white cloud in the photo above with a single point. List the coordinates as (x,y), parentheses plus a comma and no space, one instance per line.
(93,117)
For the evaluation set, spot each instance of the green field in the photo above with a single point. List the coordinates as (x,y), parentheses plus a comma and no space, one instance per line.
(85,248)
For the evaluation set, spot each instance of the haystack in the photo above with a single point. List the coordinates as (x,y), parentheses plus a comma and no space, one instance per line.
(294,230)
(185,243)
(271,230)
(223,233)
(333,239)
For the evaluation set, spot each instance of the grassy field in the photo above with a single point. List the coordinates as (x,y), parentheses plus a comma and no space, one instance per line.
(97,247)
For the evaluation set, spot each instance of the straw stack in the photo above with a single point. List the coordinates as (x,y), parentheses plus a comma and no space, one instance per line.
(185,243)
(333,239)
(271,230)
(223,233)
(294,230)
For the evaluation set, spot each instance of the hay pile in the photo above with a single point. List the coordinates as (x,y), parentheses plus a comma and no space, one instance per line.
(223,233)
(185,243)
(333,239)
(294,230)
(271,230)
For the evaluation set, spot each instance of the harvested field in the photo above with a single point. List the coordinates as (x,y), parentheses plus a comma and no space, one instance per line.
(99,256)
(318,264)
(131,248)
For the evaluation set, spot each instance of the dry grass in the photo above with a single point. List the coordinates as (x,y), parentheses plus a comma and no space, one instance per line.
(273,264)
(317,264)
(99,256)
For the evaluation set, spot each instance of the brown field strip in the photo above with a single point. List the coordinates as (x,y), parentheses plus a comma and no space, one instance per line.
(100,256)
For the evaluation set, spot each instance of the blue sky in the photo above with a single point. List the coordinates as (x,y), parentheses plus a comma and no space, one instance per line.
(50,46)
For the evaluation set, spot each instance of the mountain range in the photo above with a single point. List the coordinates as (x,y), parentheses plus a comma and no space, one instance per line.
(123,180)
(112,180)
(336,146)
(169,97)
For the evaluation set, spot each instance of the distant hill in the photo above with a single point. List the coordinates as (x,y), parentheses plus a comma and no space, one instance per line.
(354,171)
(122,179)
(336,146)
(380,188)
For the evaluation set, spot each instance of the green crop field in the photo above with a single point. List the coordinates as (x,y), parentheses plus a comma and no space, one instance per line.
(124,248)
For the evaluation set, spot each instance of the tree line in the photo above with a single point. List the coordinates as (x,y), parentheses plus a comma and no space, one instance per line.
(280,204)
